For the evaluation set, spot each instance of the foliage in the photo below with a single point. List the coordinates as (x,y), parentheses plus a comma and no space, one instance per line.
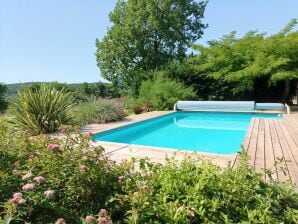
(196,191)
(161,93)
(41,110)
(71,178)
(99,111)
(246,62)
(98,90)
(145,35)
(2,99)
(82,92)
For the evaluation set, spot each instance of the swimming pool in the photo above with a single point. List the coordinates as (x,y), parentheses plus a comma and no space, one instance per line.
(221,133)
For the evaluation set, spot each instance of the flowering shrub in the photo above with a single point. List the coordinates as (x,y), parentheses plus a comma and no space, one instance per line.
(196,191)
(44,180)
(99,111)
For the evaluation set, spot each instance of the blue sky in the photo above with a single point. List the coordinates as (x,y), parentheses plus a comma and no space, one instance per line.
(54,40)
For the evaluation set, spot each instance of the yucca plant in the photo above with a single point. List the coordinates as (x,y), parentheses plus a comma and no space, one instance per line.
(41,111)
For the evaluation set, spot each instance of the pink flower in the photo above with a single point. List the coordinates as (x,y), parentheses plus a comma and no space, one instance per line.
(39,179)
(120,178)
(16,172)
(90,218)
(18,199)
(49,193)
(21,201)
(28,187)
(18,195)
(60,221)
(53,147)
(14,200)
(83,168)
(27,176)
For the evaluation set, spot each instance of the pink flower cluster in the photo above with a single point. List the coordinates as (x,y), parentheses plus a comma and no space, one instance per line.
(17,199)
(49,194)
(27,176)
(53,147)
(28,187)
(120,179)
(103,217)
(90,219)
(83,168)
(39,179)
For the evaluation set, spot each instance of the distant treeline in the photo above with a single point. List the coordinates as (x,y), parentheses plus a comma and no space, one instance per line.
(81,91)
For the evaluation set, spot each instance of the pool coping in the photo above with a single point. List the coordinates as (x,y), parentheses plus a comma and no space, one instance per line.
(119,151)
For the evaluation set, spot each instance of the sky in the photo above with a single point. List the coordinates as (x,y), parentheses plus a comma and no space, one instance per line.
(54,40)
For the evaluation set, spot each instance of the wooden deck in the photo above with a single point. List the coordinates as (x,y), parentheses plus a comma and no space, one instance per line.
(273,144)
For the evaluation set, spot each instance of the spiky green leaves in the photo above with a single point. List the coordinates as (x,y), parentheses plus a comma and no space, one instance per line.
(41,111)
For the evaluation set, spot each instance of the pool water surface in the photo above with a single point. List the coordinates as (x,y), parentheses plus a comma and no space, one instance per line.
(221,133)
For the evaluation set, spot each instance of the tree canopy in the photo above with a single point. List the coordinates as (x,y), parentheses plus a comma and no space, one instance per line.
(145,35)
(255,65)
(2,99)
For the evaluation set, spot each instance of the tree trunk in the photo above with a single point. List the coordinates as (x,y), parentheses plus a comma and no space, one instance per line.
(286,91)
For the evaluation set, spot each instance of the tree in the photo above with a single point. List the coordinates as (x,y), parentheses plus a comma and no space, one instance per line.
(2,99)
(145,35)
(249,67)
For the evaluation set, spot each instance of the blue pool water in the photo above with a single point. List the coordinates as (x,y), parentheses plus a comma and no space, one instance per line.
(195,131)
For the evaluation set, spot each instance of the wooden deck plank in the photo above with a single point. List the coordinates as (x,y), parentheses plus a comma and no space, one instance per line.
(281,166)
(269,153)
(251,151)
(291,149)
(245,142)
(292,131)
(289,159)
(259,162)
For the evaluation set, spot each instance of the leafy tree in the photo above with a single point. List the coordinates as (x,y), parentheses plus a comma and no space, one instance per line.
(244,68)
(161,93)
(2,99)
(145,35)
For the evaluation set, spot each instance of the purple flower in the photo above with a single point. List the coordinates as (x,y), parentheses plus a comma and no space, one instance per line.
(18,195)
(90,218)
(49,193)
(39,179)
(53,147)
(28,187)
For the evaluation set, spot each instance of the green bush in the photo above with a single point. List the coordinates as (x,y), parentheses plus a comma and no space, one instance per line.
(41,110)
(196,191)
(100,111)
(71,179)
(162,94)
